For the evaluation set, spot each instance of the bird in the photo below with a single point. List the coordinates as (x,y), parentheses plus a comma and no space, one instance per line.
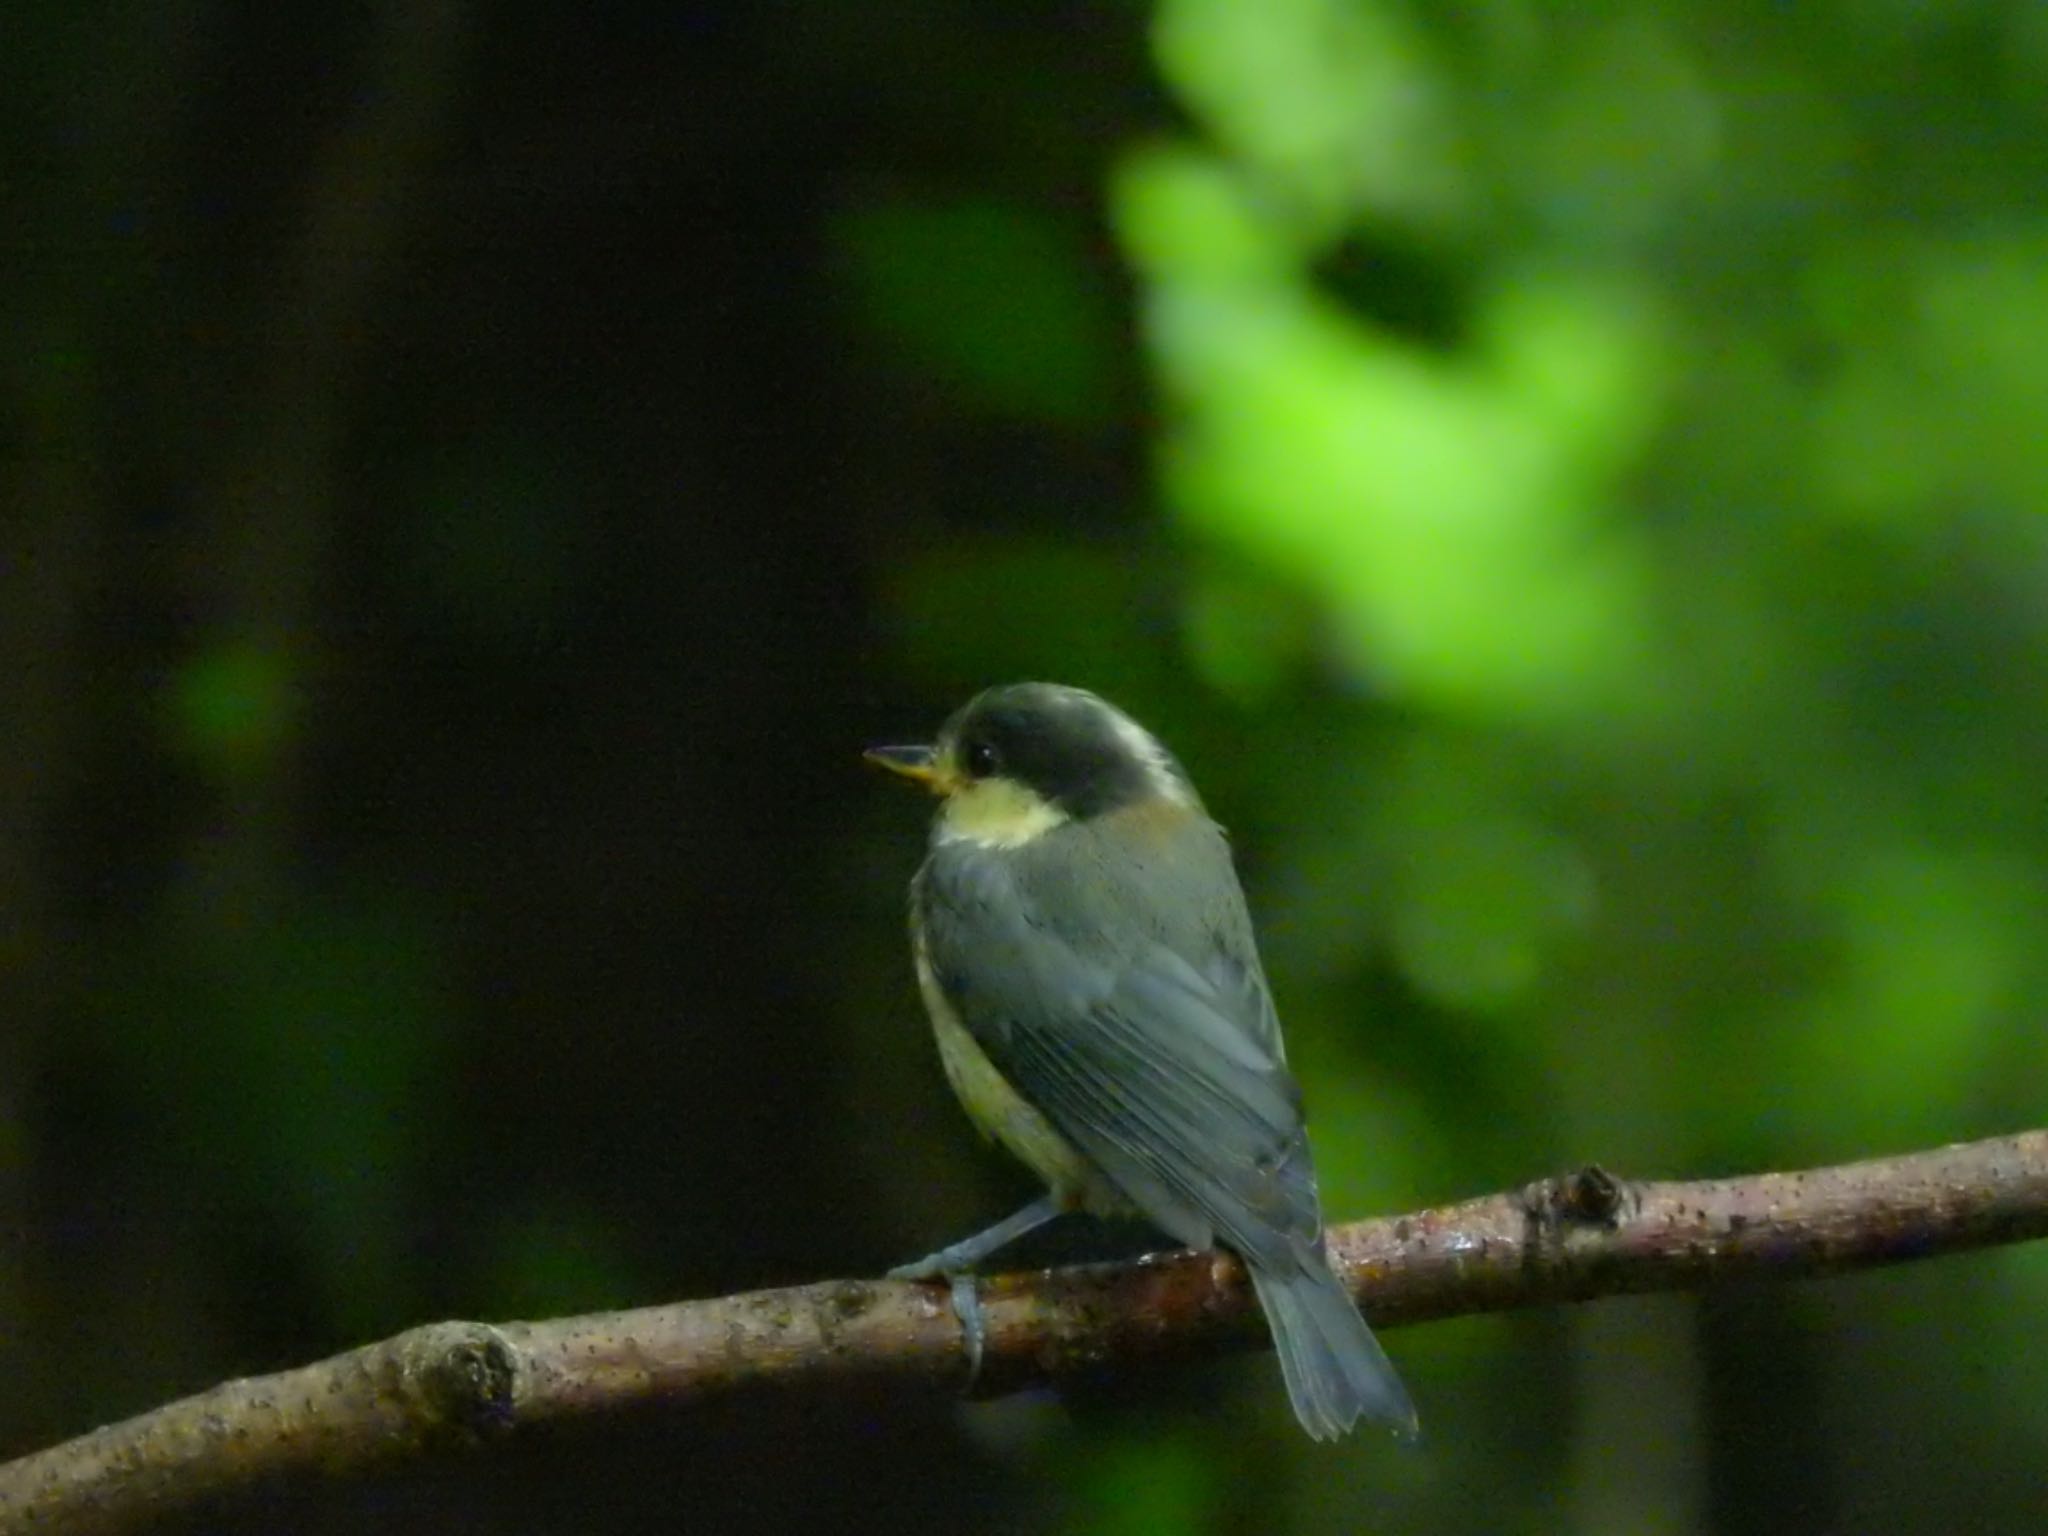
(1083,948)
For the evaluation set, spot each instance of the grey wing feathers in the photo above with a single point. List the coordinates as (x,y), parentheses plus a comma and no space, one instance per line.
(1137,1022)
(1204,1145)
(1168,1082)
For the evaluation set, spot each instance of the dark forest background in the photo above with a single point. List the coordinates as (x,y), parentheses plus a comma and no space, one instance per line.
(1569,482)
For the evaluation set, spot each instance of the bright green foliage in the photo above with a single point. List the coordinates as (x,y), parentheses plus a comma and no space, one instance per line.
(1719,478)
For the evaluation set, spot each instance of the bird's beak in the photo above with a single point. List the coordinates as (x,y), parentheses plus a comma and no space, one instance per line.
(919,763)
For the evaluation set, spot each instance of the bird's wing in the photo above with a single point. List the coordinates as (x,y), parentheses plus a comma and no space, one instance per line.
(1152,1062)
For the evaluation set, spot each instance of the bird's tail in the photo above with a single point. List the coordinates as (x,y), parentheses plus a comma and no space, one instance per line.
(1334,1368)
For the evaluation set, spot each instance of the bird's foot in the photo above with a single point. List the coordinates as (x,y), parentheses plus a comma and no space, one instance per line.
(973,1324)
(966,1297)
(956,1262)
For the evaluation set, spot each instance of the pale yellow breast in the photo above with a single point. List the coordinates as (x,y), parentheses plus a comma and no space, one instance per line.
(996,1109)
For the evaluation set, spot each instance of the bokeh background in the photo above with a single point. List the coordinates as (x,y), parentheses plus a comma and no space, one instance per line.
(1569,480)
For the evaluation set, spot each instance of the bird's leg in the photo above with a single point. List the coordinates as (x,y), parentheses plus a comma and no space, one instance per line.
(956,1260)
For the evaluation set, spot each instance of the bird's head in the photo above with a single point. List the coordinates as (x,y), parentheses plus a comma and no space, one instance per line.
(1015,762)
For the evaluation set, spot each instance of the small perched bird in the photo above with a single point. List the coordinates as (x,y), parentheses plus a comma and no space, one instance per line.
(1083,949)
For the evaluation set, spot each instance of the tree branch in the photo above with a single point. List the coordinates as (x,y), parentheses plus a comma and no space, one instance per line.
(1567,1239)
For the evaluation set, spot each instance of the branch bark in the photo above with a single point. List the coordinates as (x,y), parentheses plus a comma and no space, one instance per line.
(1573,1238)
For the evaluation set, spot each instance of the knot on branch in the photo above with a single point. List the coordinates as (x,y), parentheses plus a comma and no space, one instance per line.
(466,1375)
(1588,1196)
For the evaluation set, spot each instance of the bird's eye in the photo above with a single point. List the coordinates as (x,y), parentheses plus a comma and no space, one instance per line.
(980,759)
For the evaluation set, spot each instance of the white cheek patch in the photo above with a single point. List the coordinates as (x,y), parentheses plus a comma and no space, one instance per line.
(995,813)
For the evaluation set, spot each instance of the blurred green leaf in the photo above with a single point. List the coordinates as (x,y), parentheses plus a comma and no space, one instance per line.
(1244,634)
(234,706)
(1934,953)
(1446,515)
(1942,393)
(1333,104)
(1159,1483)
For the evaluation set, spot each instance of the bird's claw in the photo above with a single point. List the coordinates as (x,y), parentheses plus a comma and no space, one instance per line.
(973,1324)
(966,1299)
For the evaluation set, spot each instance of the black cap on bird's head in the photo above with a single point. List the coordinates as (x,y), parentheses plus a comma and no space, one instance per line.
(1019,759)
